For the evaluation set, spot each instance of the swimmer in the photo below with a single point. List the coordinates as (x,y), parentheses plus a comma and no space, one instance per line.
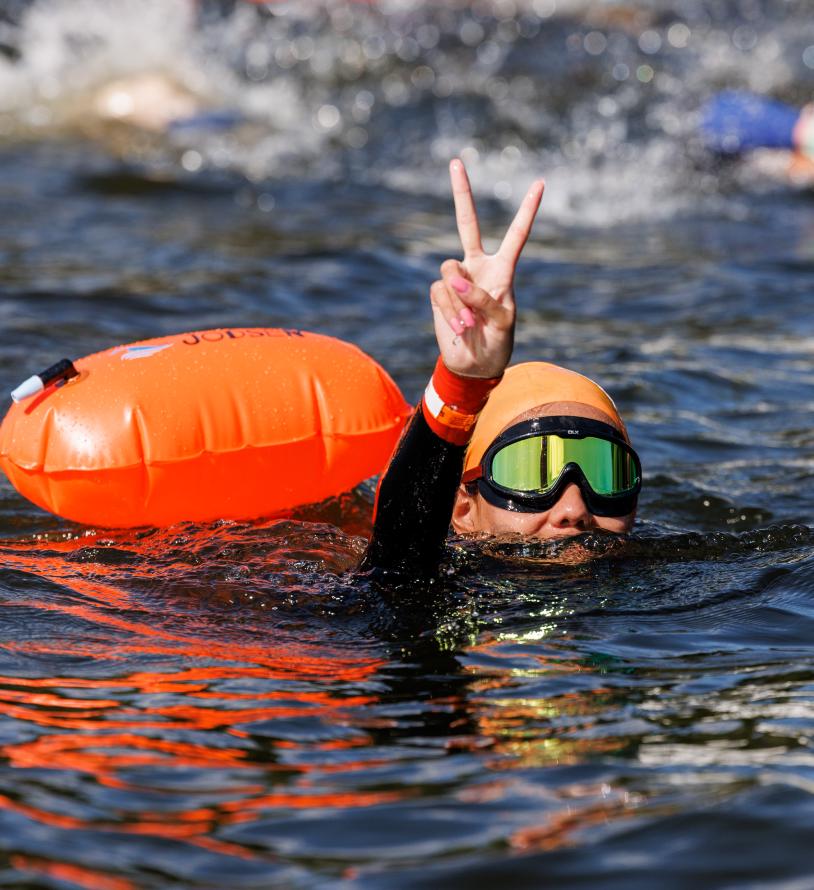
(776,138)
(150,101)
(533,450)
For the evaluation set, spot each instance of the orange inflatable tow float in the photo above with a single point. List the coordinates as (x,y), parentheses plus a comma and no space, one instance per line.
(223,424)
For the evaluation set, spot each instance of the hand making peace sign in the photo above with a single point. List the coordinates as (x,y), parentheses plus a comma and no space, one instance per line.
(473,303)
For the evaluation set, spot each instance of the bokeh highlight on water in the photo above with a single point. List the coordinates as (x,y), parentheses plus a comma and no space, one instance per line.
(229,706)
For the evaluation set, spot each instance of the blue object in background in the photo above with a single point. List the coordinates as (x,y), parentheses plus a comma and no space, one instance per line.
(733,122)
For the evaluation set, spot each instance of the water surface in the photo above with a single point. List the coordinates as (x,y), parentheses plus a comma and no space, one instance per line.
(229,705)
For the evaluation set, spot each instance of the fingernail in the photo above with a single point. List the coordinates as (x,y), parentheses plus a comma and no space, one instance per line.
(460,284)
(457,325)
(467,317)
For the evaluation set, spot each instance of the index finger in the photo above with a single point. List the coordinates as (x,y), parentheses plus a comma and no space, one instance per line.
(518,232)
(465,214)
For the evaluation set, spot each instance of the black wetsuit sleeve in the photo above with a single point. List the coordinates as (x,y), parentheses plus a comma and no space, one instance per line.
(414,502)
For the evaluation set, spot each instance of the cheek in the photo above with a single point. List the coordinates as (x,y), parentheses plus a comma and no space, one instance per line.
(496,521)
(617,524)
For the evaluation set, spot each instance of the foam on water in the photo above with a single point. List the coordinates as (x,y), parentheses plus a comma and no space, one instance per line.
(599,98)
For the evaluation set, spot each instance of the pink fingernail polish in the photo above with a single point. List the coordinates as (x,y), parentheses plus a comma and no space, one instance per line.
(460,284)
(467,317)
(457,325)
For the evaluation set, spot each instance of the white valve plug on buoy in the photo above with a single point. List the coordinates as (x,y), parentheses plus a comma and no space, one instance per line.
(58,373)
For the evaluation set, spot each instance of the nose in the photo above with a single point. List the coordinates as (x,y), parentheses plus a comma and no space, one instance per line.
(570,515)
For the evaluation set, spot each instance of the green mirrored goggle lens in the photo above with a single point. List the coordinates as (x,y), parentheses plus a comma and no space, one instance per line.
(534,464)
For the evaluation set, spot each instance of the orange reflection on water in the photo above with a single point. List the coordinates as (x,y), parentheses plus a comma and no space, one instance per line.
(72,874)
(86,753)
(560,829)
(115,729)
(104,738)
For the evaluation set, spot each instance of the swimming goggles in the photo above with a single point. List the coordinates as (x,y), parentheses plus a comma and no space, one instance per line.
(527,468)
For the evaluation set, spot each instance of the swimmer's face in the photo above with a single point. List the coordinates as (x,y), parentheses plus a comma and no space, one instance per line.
(569,516)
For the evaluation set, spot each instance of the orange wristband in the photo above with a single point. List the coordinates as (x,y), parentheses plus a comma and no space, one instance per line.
(452,403)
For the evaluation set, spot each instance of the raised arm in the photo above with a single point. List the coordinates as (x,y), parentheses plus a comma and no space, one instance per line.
(474,316)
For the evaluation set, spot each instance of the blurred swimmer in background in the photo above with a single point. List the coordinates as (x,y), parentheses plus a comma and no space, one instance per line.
(778,139)
(534,450)
(92,71)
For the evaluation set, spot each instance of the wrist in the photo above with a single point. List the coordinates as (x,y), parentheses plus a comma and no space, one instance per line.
(453,401)
(473,374)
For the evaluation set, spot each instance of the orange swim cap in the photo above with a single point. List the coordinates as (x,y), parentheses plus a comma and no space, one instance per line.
(530,385)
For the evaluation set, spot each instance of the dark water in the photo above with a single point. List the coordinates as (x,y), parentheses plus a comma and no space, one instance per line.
(226,706)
